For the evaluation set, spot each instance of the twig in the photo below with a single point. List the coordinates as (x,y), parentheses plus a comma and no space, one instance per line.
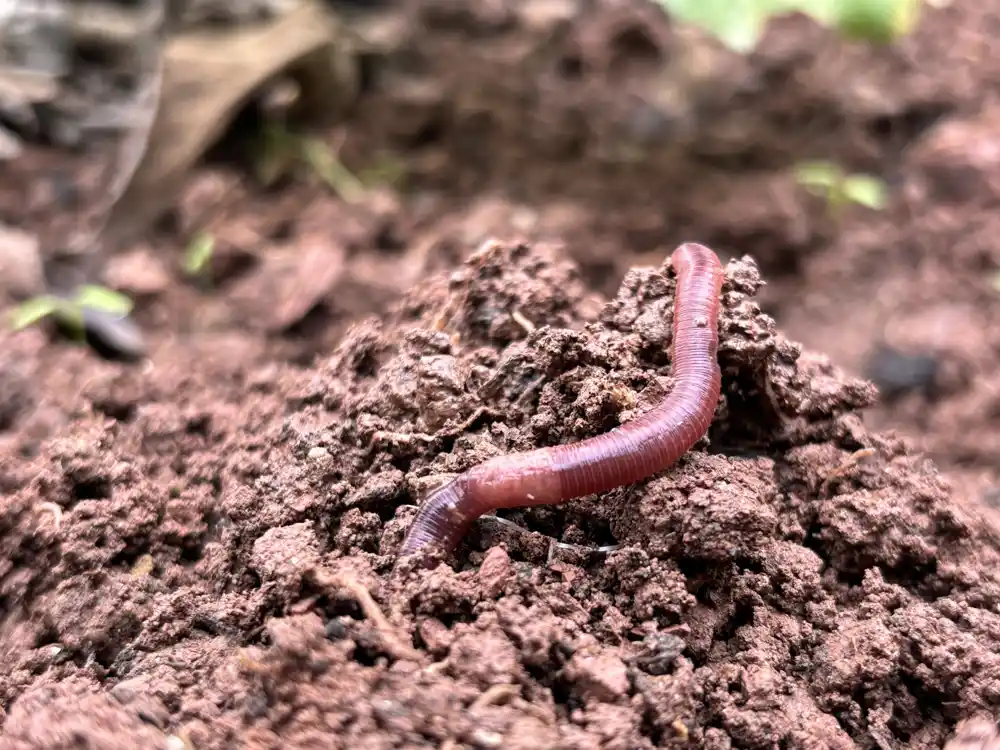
(852,460)
(55,510)
(492,695)
(388,436)
(391,640)
(522,321)
(554,544)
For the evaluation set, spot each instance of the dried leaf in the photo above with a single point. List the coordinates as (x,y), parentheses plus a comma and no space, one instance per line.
(208,75)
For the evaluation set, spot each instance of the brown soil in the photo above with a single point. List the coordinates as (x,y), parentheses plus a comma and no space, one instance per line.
(197,552)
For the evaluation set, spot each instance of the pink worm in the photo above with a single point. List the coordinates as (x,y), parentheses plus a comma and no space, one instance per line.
(627,454)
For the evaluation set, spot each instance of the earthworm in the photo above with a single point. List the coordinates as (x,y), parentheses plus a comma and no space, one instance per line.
(626,454)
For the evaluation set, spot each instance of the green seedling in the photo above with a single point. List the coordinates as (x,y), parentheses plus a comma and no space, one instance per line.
(70,311)
(324,163)
(739,24)
(880,21)
(281,151)
(274,154)
(384,170)
(198,255)
(839,189)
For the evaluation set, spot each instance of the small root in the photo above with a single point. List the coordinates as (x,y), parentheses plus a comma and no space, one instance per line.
(853,460)
(491,696)
(405,438)
(522,321)
(400,438)
(533,709)
(465,424)
(392,641)
(530,390)
(681,728)
(55,510)
(554,544)
(494,694)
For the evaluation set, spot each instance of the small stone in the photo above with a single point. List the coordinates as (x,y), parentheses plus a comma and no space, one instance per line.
(10,145)
(318,452)
(660,652)
(127,691)
(494,572)
(21,271)
(113,336)
(335,630)
(485,738)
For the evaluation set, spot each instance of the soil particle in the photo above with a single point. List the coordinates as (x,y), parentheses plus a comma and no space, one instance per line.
(487,657)
(20,264)
(597,678)
(956,162)
(494,572)
(16,396)
(140,273)
(285,554)
(62,715)
(973,734)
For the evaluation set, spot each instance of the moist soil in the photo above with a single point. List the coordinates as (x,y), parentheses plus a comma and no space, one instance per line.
(198,550)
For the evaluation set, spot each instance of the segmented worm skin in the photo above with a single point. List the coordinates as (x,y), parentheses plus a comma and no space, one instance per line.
(629,453)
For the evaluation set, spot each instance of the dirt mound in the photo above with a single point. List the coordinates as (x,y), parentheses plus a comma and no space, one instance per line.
(223,577)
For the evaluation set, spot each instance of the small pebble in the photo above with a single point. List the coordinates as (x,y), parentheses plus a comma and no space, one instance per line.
(494,572)
(21,271)
(10,145)
(335,630)
(897,373)
(485,739)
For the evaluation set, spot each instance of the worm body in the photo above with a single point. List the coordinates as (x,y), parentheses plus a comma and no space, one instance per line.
(629,453)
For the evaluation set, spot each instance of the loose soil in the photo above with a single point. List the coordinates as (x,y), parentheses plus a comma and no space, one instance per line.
(197,552)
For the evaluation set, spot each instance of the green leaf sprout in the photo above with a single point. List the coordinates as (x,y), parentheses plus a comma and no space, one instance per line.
(829,181)
(198,254)
(69,310)
(739,24)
